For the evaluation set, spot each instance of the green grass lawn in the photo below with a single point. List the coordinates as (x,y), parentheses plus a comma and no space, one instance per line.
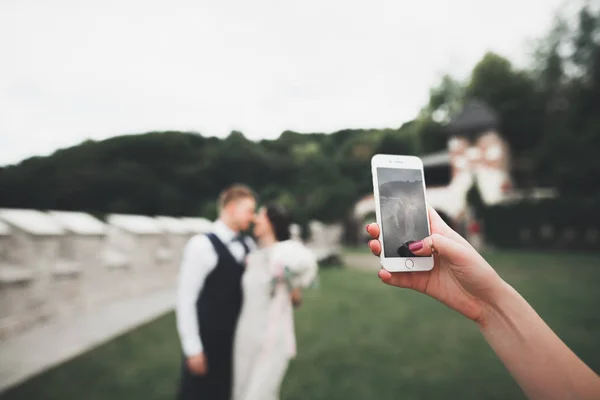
(359,339)
(356,250)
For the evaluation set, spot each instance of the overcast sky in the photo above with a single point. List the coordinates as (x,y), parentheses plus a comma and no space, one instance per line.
(72,70)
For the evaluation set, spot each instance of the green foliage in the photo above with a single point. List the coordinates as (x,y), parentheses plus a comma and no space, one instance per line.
(431,136)
(512,94)
(446,99)
(177,173)
(567,155)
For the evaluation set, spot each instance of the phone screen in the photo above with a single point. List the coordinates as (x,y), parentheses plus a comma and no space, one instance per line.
(403,209)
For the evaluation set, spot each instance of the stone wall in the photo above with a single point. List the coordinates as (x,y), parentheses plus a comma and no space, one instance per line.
(49,277)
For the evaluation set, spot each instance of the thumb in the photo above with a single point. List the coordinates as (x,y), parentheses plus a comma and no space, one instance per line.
(454,252)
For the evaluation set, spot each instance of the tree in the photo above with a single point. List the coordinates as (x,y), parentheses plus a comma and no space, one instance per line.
(513,95)
(446,99)
(567,155)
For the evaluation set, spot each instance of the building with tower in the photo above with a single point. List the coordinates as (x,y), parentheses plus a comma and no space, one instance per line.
(476,154)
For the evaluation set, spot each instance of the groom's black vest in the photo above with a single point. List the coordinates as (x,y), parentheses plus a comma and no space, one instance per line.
(220,301)
(218,307)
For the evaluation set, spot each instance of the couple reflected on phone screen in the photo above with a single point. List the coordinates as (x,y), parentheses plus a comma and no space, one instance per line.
(403,210)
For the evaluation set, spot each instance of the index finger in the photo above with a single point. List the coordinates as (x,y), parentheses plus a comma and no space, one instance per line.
(373,230)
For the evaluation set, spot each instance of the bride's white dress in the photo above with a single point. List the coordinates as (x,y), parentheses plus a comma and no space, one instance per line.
(265,339)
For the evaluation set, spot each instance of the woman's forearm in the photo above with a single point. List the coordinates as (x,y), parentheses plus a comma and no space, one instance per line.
(543,366)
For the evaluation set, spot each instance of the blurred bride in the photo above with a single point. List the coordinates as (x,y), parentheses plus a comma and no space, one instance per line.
(272,284)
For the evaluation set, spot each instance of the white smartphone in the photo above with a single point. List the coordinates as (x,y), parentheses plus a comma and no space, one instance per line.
(401,209)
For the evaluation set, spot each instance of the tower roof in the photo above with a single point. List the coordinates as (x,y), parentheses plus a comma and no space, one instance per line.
(475,117)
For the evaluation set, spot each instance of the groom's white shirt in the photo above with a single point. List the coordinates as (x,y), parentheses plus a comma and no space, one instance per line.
(199,259)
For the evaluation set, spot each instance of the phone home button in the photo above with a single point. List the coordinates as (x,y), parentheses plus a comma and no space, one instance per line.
(409,263)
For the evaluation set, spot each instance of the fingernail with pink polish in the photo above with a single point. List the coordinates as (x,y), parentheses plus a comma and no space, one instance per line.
(415,246)
(367,228)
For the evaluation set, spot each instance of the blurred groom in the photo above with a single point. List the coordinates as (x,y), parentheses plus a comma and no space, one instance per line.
(209,298)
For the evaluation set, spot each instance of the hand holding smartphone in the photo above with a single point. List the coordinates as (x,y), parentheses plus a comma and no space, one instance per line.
(401,209)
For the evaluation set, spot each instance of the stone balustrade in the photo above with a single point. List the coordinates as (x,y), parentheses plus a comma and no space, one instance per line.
(58,264)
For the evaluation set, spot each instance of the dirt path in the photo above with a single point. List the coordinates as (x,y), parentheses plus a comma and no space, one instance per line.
(46,346)
(362,261)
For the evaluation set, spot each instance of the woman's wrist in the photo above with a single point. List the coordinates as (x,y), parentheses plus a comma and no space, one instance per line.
(502,297)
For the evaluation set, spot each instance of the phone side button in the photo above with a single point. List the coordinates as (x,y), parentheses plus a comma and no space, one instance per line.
(409,264)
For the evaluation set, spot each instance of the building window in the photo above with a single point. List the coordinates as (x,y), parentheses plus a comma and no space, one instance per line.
(454,144)
(473,153)
(460,163)
(493,153)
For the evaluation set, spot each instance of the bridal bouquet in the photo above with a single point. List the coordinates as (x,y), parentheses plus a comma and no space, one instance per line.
(292,279)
